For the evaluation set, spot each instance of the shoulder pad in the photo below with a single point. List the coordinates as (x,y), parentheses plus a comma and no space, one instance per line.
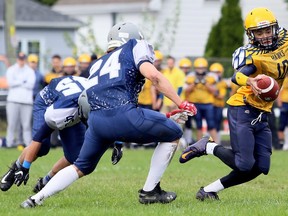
(239,58)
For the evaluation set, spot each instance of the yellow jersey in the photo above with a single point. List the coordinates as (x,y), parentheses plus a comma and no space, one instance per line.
(201,94)
(273,63)
(283,95)
(145,96)
(177,78)
(219,99)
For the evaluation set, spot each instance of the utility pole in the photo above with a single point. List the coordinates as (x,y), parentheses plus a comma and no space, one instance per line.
(10,30)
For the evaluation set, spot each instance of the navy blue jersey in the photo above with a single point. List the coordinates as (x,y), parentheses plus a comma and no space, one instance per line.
(115,79)
(57,106)
(64,89)
(61,98)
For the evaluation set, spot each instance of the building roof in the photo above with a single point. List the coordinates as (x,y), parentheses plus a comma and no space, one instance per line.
(72,2)
(32,14)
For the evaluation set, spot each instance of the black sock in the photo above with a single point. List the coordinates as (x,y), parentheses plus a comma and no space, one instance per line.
(239,177)
(226,156)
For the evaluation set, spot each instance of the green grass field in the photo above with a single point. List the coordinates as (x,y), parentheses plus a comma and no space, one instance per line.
(112,190)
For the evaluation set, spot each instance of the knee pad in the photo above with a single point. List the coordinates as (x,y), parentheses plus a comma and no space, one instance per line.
(245,166)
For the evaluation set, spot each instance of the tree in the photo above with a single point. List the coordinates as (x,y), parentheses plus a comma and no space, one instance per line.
(226,35)
(47,2)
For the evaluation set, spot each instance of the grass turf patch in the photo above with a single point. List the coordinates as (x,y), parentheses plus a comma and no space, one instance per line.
(112,190)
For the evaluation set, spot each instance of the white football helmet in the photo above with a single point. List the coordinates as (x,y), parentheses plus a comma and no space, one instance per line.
(121,33)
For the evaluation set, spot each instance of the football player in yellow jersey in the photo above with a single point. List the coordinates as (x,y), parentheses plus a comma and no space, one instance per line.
(158,64)
(56,69)
(177,78)
(283,119)
(250,135)
(219,97)
(158,60)
(200,89)
(185,65)
(147,97)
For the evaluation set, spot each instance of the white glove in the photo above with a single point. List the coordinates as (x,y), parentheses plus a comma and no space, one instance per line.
(179,116)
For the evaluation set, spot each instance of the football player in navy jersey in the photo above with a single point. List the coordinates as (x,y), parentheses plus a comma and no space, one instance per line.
(55,107)
(114,83)
(250,135)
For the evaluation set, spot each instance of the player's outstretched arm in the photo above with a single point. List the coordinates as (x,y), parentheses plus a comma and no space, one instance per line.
(160,82)
(163,85)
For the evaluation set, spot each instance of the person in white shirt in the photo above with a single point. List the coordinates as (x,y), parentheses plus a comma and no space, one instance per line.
(21,79)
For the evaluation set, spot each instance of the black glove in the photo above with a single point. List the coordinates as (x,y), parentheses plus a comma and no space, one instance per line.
(21,175)
(117,153)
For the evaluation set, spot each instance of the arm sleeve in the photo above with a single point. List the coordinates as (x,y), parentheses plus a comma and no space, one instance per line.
(240,76)
(142,52)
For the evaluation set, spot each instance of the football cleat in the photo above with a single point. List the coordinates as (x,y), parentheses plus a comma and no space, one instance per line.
(8,179)
(157,195)
(195,150)
(202,195)
(117,153)
(30,203)
(39,185)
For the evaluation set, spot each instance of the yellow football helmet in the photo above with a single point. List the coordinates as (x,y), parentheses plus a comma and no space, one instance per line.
(259,18)
(85,58)
(200,63)
(185,63)
(158,55)
(217,68)
(69,61)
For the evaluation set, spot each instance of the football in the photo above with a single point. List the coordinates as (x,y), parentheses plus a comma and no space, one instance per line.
(270,88)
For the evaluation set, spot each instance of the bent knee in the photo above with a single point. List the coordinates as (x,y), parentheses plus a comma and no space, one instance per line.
(245,166)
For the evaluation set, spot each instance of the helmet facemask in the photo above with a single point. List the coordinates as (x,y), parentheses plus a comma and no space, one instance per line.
(268,43)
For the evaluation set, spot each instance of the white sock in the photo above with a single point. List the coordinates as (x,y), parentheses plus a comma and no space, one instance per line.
(60,181)
(210,147)
(286,136)
(188,135)
(214,187)
(160,160)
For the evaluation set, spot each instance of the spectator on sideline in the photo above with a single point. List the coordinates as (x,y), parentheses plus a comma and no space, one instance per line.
(84,61)
(21,80)
(56,70)
(39,83)
(69,67)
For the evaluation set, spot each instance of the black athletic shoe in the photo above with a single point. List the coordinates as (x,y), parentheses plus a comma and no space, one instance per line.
(39,185)
(157,195)
(117,154)
(30,203)
(196,150)
(8,179)
(202,195)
